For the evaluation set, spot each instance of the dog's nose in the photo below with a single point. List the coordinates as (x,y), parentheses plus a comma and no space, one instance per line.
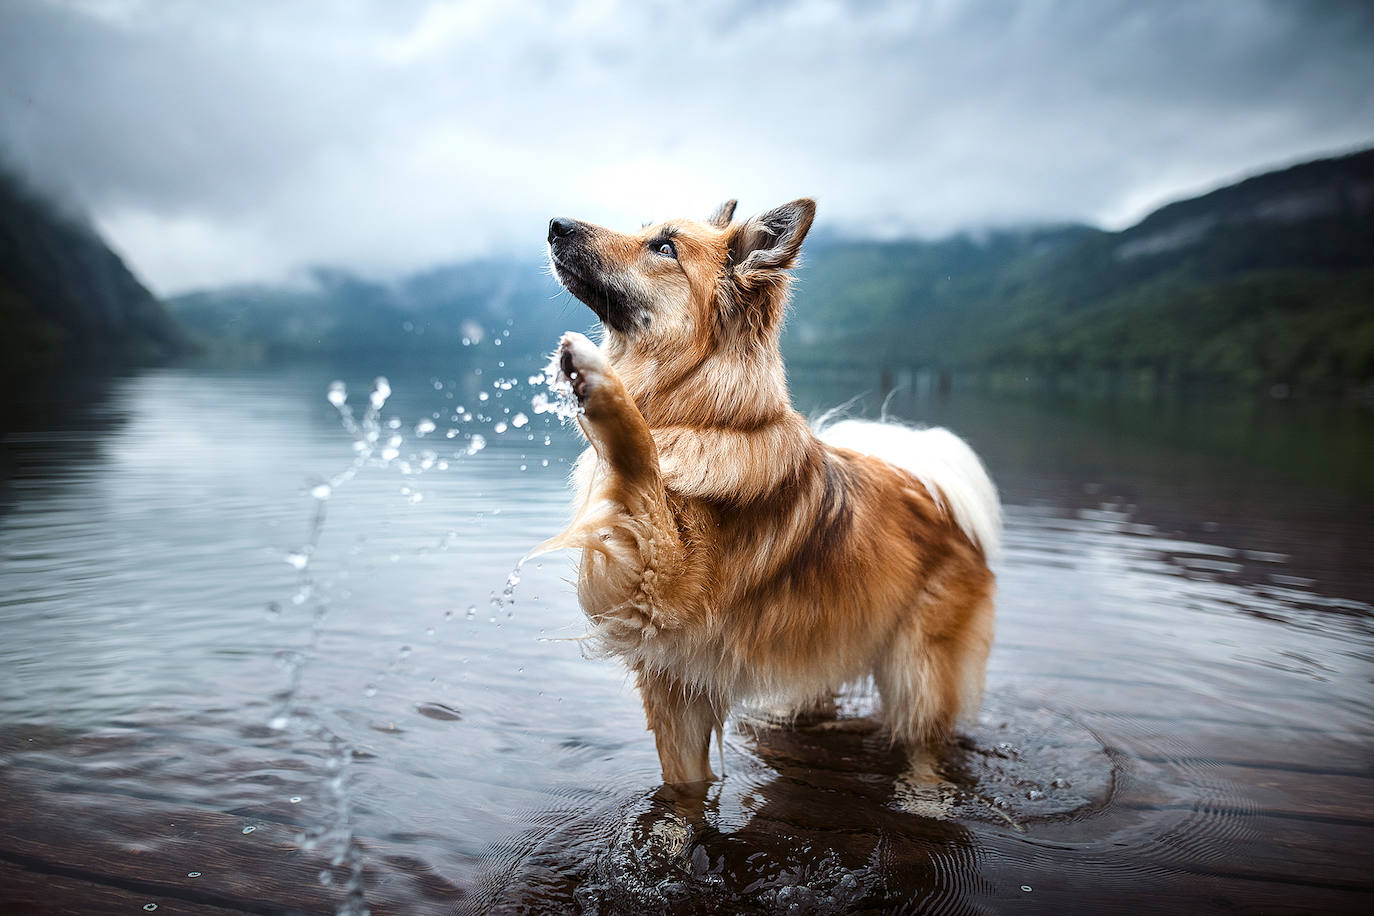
(561,227)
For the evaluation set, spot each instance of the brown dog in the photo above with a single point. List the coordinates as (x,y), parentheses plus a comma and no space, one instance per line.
(730,552)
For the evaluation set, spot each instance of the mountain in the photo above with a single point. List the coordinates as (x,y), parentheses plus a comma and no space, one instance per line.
(1268,281)
(66,299)
(338,315)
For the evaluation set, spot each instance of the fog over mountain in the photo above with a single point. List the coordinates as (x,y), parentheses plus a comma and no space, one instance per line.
(220,143)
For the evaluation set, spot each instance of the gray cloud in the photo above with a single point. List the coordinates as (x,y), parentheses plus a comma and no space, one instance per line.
(222,142)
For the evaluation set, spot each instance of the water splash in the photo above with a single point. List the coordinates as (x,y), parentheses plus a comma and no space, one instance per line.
(381,442)
(381,390)
(337,831)
(506,598)
(336,836)
(563,404)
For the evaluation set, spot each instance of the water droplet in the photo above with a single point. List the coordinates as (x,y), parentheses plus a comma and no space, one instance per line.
(544,463)
(381,390)
(338,394)
(295,799)
(472,611)
(482,396)
(393,423)
(522,467)
(321,491)
(424,427)
(249,829)
(298,559)
(1026,888)
(193,874)
(370,690)
(476,443)
(405,652)
(278,723)
(326,877)
(150,906)
(500,427)
(438,385)
(519,420)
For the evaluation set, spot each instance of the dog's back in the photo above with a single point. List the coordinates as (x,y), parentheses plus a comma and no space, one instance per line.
(944,464)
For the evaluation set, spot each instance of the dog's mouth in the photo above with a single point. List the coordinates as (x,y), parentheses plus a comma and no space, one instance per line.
(579,275)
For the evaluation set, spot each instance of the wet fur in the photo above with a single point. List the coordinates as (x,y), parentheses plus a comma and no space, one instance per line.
(728,552)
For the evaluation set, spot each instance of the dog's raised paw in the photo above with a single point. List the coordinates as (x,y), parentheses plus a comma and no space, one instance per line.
(579,364)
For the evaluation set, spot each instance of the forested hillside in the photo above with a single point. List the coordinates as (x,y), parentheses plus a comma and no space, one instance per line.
(66,300)
(1267,281)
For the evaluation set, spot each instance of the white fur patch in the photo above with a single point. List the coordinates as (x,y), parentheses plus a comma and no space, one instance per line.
(585,354)
(943,462)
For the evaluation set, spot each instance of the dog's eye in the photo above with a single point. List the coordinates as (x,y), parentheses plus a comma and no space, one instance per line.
(666,249)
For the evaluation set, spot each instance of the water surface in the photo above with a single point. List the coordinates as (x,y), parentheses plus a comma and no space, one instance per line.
(223,691)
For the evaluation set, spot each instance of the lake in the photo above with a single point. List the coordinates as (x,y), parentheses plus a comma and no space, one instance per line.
(250,668)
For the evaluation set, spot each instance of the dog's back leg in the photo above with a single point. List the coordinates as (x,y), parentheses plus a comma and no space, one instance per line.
(932,671)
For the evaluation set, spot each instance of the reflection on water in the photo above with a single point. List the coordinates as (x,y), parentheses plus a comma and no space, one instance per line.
(249,661)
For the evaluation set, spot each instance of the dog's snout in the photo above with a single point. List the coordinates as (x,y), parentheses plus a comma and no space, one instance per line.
(561,227)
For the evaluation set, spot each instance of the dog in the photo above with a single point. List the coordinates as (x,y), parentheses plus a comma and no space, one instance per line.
(731,553)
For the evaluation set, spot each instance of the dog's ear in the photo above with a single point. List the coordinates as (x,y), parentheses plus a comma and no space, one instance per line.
(762,249)
(771,241)
(723,214)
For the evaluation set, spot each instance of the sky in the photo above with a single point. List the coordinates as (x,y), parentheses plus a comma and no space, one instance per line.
(219,143)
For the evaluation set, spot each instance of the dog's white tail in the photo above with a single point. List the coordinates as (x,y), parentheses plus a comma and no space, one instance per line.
(941,461)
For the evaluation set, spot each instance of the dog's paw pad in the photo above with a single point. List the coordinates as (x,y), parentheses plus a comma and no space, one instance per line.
(578,363)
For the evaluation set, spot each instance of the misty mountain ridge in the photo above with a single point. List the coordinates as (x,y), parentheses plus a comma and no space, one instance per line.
(1265,281)
(66,298)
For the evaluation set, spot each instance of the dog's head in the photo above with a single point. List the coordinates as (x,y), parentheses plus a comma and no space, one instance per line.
(683,296)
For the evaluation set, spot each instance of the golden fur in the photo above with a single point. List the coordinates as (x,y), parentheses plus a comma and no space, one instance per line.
(728,552)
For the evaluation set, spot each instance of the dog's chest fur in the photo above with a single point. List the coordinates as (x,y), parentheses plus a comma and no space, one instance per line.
(773,506)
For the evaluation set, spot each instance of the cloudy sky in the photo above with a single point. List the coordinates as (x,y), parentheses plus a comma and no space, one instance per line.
(225,142)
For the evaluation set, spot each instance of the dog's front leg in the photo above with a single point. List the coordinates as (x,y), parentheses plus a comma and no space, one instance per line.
(638,582)
(682,720)
(637,577)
